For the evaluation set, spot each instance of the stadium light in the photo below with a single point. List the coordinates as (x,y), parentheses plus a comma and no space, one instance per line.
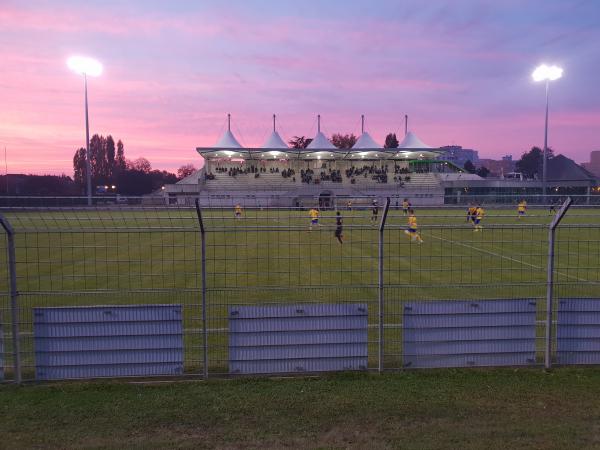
(546,73)
(83,65)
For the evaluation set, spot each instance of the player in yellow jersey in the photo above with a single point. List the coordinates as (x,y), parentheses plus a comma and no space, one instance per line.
(522,208)
(471,213)
(238,211)
(413,230)
(314,217)
(480,212)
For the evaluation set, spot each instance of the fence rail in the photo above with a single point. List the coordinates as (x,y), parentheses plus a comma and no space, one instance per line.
(267,290)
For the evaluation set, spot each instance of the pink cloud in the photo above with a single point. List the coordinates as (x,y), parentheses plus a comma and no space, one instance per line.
(86,19)
(171,78)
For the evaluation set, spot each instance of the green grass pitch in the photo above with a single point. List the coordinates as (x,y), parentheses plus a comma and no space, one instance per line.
(99,257)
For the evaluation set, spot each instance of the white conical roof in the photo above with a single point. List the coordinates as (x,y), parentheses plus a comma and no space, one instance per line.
(228,140)
(412,141)
(366,141)
(320,141)
(274,141)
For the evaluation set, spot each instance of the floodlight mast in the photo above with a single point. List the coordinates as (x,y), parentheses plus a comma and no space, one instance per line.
(88,165)
(86,66)
(547,74)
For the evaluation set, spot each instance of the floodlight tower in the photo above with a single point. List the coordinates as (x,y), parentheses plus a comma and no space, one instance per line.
(547,74)
(85,66)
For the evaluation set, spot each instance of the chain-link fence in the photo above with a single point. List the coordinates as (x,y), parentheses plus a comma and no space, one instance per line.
(267,289)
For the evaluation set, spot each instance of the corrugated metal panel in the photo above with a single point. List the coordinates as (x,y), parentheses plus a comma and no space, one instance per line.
(469,333)
(297,338)
(108,341)
(578,331)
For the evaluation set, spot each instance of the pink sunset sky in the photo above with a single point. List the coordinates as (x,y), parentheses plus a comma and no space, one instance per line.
(173,70)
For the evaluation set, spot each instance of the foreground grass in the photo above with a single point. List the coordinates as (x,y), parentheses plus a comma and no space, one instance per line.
(431,409)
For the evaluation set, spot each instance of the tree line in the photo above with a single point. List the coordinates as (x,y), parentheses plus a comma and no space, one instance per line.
(110,167)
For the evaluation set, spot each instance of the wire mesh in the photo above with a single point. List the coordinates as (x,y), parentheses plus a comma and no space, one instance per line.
(267,254)
(6,361)
(108,256)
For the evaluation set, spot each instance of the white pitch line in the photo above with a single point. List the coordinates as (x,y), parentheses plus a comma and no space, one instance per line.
(507,257)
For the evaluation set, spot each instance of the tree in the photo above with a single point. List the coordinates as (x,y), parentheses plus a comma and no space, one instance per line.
(299,142)
(135,182)
(161,177)
(469,167)
(110,158)
(79,167)
(120,163)
(103,163)
(185,171)
(391,141)
(110,167)
(97,159)
(141,165)
(483,172)
(343,140)
(531,162)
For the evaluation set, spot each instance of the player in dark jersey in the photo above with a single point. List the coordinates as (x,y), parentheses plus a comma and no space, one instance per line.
(405,206)
(374,211)
(338,228)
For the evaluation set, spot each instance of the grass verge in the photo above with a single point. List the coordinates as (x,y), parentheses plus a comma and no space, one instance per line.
(501,408)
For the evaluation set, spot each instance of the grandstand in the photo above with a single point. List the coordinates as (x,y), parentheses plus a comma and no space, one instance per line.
(286,176)
(283,176)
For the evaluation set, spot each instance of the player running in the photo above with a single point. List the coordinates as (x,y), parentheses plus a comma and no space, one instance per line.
(338,228)
(521,208)
(471,213)
(480,212)
(412,230)
(238,211)
(374,211)
(405,206)
(314,217)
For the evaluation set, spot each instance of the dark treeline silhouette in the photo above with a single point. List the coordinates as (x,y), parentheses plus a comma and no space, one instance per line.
(109,167)
(51,185)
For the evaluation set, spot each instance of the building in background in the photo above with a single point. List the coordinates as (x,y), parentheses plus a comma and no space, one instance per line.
(498,168)
(458,155)
(594,165)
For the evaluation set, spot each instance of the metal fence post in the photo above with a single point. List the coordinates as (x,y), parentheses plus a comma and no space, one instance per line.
(14,303)
(203,272)
(380,284)
(550,281)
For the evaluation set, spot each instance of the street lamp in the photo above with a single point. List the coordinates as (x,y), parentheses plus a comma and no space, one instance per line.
(547,74)
(85,66)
